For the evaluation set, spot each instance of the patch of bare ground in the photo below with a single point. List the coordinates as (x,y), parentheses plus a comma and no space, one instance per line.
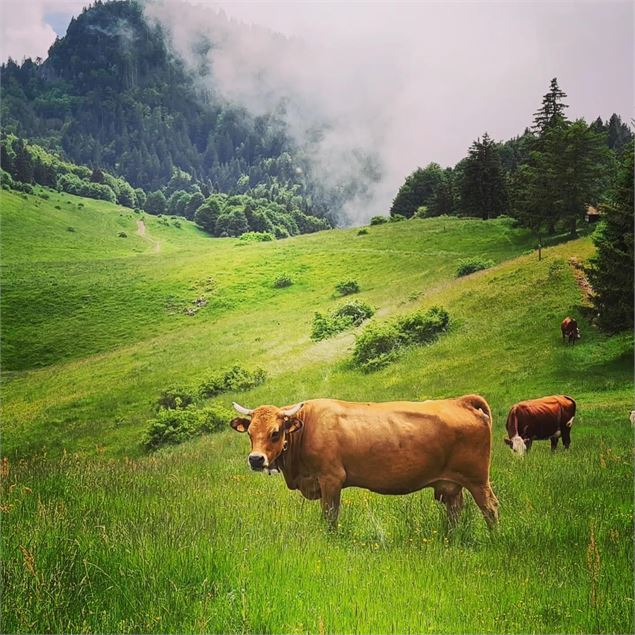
(583,282)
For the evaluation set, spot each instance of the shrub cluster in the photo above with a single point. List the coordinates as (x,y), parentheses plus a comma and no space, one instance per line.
(379,344)
(362,232)
(234,379)
(378,220)
(282,281)
(256,237)
(347,287)
(470,265)
(344,317)
(173,426)
(175,397)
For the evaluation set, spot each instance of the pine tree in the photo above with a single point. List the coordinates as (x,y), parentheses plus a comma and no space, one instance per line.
(611,270)
(484,188)
(619,134)
(22,163)
(578,158)
(552,108)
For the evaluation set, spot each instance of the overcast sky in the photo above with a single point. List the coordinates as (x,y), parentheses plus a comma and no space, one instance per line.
(432,75)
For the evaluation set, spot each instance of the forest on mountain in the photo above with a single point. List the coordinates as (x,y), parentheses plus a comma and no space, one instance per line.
(111,96)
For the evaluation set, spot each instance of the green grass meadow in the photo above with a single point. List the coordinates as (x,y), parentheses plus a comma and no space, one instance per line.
(99,536)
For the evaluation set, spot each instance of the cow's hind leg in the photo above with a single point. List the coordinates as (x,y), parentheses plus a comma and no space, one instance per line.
(554,443)
(566,436)
(451,494)
(487,502)
(330,498)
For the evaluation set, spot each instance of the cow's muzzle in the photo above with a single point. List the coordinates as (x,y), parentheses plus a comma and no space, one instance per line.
(257,462)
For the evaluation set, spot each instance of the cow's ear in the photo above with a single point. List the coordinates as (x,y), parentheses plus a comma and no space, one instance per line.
(292,424)
(508,442)
(239,424)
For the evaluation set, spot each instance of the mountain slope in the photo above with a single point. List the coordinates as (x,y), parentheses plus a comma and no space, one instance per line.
(111,95)
(187,540)
(92,316)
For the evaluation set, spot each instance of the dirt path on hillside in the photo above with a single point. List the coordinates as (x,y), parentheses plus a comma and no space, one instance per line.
(141,230)
(582,280)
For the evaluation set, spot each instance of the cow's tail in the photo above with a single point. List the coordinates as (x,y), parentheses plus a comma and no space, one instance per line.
(569,423)
(481,406)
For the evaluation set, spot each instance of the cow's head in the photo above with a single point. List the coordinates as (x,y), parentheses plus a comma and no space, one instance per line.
(518,444)
(268,428)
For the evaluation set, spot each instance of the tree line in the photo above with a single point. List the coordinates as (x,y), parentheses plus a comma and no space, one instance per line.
(547,178)
(275,209)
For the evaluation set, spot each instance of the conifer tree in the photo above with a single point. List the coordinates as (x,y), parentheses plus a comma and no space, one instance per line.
(611,271)
(552,108)
(484,188)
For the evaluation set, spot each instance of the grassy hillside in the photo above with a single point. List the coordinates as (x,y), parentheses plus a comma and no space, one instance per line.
(187,540)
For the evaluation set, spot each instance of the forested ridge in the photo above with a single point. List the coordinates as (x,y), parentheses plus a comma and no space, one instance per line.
(545,177)
(112,97)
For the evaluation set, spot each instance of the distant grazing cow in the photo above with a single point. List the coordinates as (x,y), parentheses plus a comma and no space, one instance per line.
(324,445)
(539,419)
(570,330)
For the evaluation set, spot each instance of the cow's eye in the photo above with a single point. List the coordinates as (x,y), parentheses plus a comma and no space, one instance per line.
(275,435)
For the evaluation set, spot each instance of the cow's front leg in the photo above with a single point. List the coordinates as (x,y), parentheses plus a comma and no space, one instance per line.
(331,489)
(554,443)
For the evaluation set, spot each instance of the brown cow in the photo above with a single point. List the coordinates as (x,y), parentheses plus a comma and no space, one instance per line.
(539,419)
(324,445)
(570,330)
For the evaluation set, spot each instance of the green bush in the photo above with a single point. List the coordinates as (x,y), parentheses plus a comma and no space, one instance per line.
(122,235)
(421,328)
(235,379)
(344,317)
(377,346)
(378,220)
(70,229)
(362,232)
(255,237)
(470,265)
(396,218)
(175,397)
(379,343)
(347,287)
(282,281)
(174,426)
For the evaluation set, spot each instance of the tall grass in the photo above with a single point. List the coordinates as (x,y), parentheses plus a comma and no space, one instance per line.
(189,541)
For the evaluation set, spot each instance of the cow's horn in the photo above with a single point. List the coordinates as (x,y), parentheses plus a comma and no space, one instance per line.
(241,409)
(289,412)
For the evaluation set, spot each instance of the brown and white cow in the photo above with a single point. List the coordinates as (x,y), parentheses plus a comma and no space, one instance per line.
(539,419)
(324,445)
(570,330)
